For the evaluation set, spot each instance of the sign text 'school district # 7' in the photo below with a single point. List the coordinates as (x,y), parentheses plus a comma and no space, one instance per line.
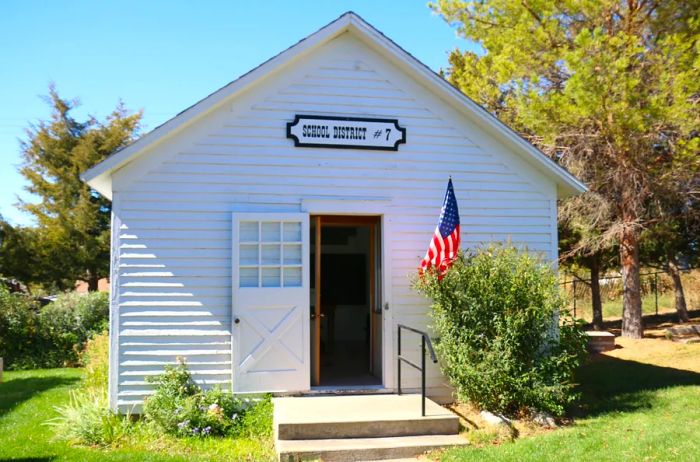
(346,132)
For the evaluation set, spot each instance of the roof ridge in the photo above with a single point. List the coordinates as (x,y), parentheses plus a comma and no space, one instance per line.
(98,175)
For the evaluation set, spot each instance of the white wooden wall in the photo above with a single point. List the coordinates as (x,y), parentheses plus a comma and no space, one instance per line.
(172,207)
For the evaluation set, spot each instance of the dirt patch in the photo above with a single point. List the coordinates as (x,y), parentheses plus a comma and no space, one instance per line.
(656,349)
(480,433)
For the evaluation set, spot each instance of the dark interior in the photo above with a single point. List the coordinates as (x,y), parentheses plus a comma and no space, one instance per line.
(345,306)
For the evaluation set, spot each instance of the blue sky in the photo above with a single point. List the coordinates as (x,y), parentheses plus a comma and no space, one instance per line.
(162,56)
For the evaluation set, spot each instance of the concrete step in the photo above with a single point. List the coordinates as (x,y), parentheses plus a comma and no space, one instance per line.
(363,449)
(369,416)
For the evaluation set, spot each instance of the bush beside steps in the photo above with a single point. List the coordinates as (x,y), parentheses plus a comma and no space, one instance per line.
(178,407)
(506,342)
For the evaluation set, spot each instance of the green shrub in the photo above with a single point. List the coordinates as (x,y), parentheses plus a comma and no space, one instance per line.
(72,319)
(95,358)
(180,407)
(23,344)
(495,315)
(33,337)
(87,420)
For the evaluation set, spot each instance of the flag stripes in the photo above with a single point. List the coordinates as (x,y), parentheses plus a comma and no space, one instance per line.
(444,245)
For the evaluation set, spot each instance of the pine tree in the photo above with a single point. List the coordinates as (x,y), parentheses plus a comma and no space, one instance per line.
(72,239)
(673,240)
(17,258)
(608,89)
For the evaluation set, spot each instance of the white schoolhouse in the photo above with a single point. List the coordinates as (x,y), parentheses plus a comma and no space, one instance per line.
(269,233)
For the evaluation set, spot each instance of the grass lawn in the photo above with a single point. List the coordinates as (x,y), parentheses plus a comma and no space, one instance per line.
(26,402)
(640,402)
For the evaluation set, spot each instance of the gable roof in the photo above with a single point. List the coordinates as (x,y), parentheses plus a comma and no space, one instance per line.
(100,176)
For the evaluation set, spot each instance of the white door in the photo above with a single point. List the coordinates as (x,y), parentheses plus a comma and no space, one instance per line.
(271,346)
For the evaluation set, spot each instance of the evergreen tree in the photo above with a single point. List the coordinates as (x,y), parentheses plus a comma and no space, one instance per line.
(72,239)
(17,258)
(581,249)
(673,241)
(608,89)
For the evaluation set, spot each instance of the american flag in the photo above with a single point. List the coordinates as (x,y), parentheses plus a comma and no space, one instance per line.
(445,243)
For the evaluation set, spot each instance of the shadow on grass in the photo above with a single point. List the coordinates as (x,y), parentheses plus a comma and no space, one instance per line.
(615,385)
(15,392)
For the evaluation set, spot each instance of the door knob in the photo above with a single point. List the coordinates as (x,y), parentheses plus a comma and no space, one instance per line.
(236,321)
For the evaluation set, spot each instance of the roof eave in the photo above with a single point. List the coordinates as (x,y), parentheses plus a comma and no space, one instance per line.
(99,176)
(185,118)
(567,184)
(102,183)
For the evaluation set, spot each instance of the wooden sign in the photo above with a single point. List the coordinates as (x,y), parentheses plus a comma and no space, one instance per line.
(346,132)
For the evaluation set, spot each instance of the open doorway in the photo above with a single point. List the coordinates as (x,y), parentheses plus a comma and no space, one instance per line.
(345,312)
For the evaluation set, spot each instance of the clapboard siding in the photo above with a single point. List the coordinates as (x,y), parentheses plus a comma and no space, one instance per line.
(172,265)
(475,207)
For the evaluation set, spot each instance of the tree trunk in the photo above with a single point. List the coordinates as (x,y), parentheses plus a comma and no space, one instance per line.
(632,326)
(597,304)
(675,273)
(93,283)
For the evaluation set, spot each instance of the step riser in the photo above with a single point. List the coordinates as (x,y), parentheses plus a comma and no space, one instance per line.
(361,428)
(317,431)
(355,455)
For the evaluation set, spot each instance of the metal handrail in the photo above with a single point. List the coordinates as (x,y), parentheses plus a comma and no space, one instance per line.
(425,340)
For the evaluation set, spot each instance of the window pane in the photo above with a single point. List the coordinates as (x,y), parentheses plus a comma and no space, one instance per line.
(271,277)
(271,231)
(248,277)
(292,254)
(292,277)
(249,231)
(271,254)
(292,232)
(249,254)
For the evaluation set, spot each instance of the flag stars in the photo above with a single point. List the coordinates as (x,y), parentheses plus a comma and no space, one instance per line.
(445,243)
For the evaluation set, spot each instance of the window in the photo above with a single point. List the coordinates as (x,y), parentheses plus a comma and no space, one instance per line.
(269,254)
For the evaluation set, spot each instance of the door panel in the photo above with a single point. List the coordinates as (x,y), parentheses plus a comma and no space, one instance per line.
(270,302)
